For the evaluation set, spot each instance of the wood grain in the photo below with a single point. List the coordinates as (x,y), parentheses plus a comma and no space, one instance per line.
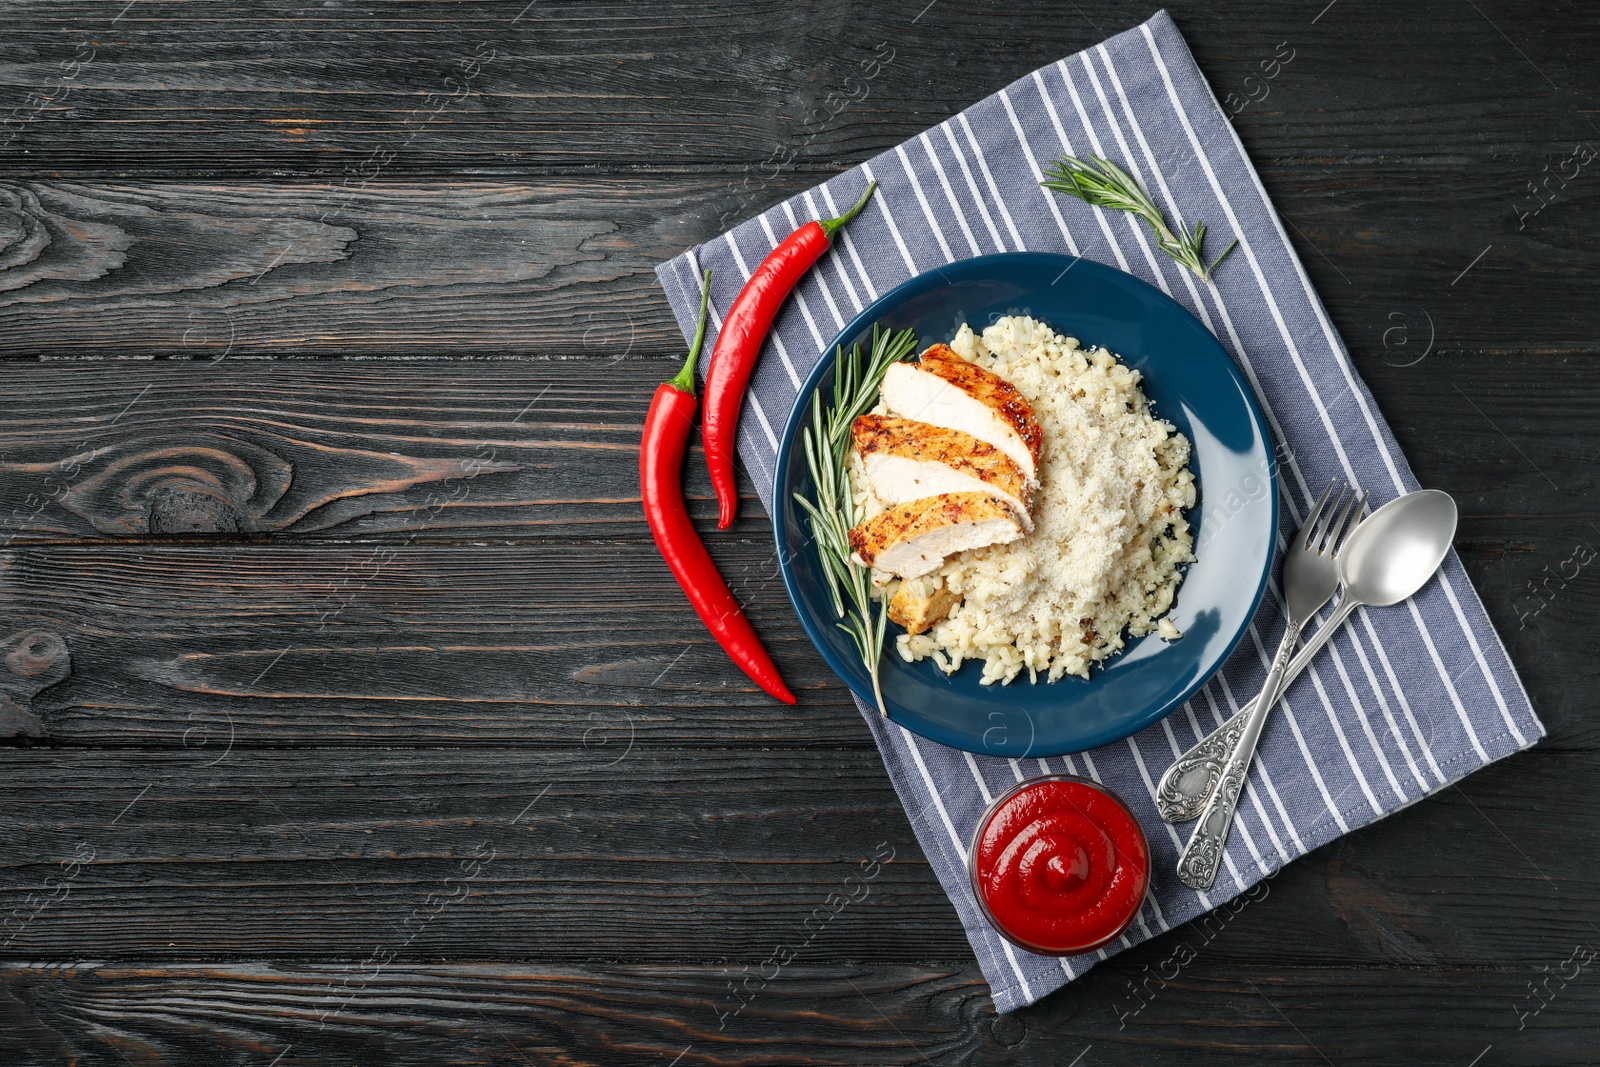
(488,1014)
(439,88)
(564,267)
(595,846)
(34,660)
(363,450)
(209,272)
(408,644)
(103,1014)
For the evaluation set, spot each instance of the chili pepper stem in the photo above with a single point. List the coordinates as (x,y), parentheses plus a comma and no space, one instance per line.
(833,226)
(684,380)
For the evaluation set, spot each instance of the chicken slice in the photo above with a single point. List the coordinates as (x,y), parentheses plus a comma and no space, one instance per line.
(907,460)
(913,539)
(921,602)
(946,390)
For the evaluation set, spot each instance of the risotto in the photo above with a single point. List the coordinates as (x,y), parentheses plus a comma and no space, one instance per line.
(1109,537)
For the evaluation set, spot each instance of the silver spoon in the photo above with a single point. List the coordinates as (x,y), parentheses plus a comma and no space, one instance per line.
(1391,555)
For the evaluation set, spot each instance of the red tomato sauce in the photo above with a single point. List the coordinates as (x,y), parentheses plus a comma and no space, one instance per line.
(1060,865)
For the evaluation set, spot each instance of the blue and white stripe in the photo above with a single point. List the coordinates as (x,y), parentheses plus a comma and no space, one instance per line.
(1405,702)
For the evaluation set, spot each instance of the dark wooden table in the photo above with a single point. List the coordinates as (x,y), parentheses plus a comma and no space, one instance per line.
(355,720)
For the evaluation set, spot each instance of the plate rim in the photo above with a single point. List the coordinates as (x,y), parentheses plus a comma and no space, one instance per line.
(781,507)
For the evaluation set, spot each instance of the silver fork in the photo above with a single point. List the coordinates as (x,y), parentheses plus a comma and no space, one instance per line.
(1310,577)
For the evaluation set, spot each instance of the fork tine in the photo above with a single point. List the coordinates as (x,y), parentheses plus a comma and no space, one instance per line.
(1337,525)
(1358,509)
(1329,520)
(1316,512)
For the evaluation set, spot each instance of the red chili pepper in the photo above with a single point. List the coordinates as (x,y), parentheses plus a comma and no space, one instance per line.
(744,331)
(666,437)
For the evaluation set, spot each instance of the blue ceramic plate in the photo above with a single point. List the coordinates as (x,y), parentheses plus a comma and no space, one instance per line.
(1192,383)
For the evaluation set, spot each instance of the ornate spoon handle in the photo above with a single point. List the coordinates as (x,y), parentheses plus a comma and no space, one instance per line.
(1188,783)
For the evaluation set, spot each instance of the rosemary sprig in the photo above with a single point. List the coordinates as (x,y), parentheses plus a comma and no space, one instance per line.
(856,382)
(1100,182)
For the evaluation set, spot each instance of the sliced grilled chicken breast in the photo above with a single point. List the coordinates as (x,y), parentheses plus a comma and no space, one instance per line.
(946,390)
(913,539)
(906,460)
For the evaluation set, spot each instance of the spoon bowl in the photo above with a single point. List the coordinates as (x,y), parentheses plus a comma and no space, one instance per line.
(1398,548)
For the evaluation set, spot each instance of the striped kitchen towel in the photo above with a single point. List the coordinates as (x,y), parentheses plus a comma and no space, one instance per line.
(1404,702)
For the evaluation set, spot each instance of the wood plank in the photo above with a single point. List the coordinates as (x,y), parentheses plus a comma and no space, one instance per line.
(564,267)
(425,450)
(410,644)
(99,1014)
(1539,591)
(430,88)
(347,450)
(629,850)
(603,1014)
(494,643)
(209,272)
(1389,258)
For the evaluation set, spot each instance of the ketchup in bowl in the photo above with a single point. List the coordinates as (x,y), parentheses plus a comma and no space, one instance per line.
(1059,865)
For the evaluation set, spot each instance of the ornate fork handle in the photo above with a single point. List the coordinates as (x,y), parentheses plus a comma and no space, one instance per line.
(1202,856)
